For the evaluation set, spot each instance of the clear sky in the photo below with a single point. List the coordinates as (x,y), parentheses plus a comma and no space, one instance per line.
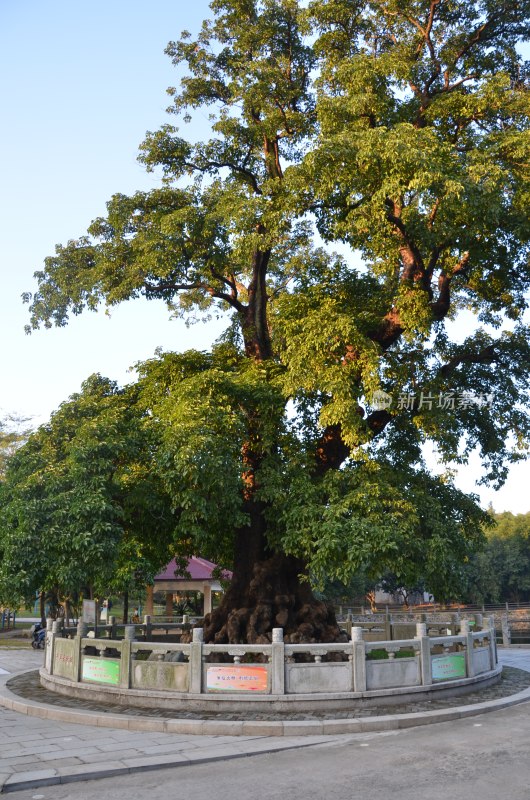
(80,83)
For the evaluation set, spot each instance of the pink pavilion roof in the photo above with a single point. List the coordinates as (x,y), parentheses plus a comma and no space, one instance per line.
(199,569)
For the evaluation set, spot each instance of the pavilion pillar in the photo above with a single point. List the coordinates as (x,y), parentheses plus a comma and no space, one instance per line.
(149,600)
(207,592)
(169,604)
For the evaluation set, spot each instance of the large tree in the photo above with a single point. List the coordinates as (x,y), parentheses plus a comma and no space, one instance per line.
(401,131)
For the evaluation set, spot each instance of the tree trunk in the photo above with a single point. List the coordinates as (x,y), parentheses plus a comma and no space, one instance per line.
(42,604)
(125,617)
(66,612)
(266,592)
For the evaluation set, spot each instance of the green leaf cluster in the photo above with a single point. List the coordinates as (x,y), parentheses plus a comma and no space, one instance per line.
(81,508)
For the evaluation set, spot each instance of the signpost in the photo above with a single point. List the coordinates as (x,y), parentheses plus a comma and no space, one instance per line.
(89,612)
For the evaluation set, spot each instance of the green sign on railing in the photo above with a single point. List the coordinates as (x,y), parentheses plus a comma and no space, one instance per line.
(449,667)
(101,670)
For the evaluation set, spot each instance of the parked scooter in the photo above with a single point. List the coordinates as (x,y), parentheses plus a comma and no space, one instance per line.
(38,633)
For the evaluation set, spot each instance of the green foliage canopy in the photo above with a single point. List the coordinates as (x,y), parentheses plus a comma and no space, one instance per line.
(501,571)
(80,504)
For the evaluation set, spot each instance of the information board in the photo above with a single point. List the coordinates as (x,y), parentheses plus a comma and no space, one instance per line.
(89,611)
(237,679)
(449,667)
(101,670)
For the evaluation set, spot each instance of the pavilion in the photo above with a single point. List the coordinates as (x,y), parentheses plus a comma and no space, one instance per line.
(198,579)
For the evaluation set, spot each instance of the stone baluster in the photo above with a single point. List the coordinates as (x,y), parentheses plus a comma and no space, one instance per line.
(148,627)
(277,662)
(464,627)
(48,655)
(493,642)
(129,633)
(425,653)
(465,630)
(359,659)
(195,661)
(127,656)
(506,632)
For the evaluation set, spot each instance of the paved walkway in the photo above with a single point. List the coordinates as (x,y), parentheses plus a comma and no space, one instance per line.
(39,752)
(515,657)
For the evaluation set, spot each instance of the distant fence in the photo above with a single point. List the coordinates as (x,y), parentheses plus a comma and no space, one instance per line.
(512,627)
(9,620)
(429,608)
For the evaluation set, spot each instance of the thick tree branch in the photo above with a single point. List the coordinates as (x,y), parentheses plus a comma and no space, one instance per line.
(486,356)
(440,308)
(206,166)
(156,289)
(332,451)
(414,268)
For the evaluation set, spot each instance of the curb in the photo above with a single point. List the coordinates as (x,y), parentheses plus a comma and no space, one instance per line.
(220,727)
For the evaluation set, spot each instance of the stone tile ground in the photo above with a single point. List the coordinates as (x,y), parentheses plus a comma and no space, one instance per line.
(39,752)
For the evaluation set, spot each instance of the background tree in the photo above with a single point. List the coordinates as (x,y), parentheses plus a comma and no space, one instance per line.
(501,571)
(14,431)
(399,130)
(82,509)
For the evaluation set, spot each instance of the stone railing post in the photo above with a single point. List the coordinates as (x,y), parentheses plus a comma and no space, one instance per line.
(81,632)
(277,661)
(195,665)
(479,622)
(56,634)
(126,656)
(464,627)
(425,653)
(465,630)
(358,660)
(493,642)
(506,632)
(49,646)
(148,627)
(129,633)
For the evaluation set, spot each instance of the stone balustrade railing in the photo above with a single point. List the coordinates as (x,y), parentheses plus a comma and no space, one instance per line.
(150,627)
(275,669)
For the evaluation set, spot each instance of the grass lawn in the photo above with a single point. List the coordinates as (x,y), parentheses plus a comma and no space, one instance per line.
(7,644)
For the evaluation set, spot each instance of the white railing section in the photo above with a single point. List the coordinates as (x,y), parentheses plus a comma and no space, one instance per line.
(277,668)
